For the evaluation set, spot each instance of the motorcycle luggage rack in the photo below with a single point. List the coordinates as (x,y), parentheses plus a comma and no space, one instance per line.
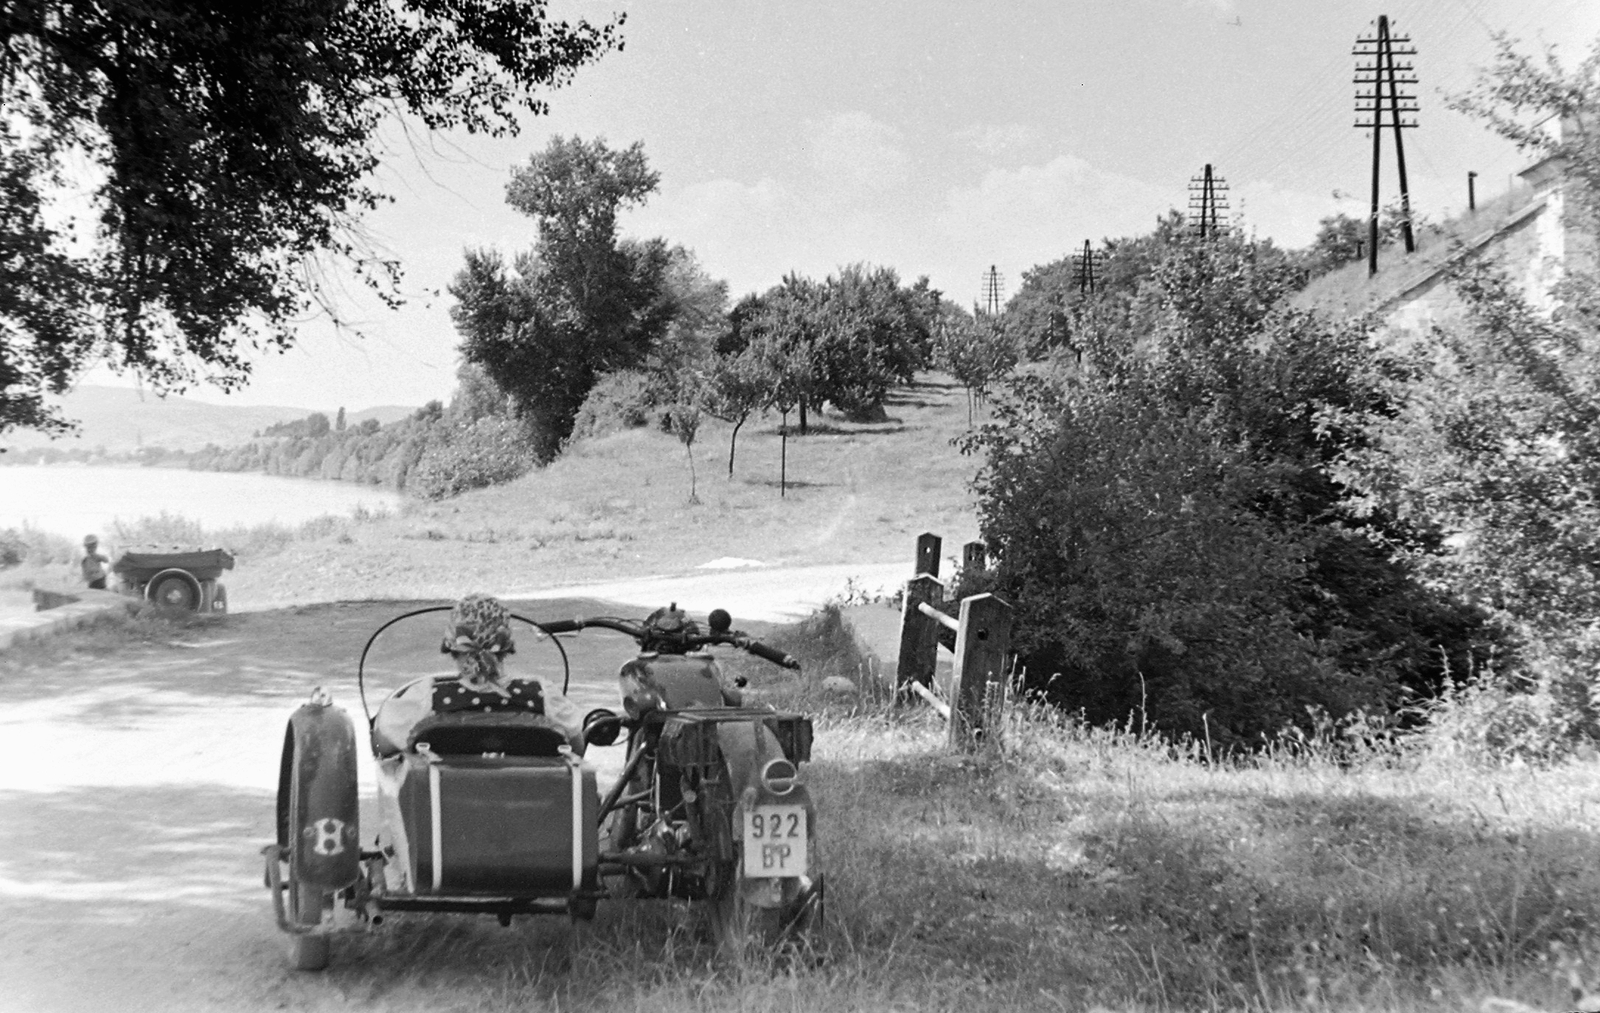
(689,737)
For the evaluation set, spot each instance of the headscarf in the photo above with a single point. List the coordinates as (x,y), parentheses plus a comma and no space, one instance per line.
(479,637)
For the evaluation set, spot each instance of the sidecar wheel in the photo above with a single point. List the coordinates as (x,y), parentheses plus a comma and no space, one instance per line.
(309,953)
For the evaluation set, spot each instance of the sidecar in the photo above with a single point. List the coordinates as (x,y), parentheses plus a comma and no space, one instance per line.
(486,811)
(479,812)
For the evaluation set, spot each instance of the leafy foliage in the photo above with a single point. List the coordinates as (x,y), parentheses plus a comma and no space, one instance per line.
(1166,524)
(472,456)
(230,149)
(842,341)
(583,302)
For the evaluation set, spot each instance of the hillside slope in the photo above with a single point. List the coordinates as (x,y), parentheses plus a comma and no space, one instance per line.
(618,507)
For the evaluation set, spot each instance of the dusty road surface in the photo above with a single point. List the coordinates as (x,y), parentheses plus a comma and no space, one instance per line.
(137,791)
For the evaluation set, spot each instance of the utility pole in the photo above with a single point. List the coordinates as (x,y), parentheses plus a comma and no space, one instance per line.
(993,292)
(1087,264)
(1472,191)
(1208,203)
(1380,49)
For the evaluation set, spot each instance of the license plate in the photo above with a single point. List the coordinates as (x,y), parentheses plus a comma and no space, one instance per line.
(775,841)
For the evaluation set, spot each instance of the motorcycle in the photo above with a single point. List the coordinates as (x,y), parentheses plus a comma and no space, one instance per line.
(497,811)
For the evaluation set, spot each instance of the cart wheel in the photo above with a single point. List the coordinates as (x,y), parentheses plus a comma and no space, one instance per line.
(309,953)
(174,588)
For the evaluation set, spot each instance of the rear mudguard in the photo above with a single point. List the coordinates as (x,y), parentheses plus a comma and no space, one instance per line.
(318,831)
(746,747)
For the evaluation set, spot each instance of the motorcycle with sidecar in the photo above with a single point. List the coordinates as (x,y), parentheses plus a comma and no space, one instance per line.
(499,811)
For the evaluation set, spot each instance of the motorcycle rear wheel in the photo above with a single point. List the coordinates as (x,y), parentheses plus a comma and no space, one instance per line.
(739,927)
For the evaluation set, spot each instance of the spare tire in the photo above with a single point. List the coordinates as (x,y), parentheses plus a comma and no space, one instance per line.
(175,588)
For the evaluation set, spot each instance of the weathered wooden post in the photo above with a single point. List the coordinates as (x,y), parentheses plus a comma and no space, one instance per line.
(919,635)
(928,554)
(974,557)
(978,683)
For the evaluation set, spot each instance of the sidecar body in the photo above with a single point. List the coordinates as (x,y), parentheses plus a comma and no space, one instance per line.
(489,812)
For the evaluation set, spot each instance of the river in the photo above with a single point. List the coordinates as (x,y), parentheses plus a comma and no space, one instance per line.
(74,500)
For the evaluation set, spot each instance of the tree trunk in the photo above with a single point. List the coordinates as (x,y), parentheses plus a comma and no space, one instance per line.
(693,493)
(733,439)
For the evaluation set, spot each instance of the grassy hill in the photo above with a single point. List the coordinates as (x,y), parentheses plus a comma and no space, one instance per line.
(122,419)
(619,506)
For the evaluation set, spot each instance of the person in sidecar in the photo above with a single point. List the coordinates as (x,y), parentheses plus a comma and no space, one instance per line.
(478,638)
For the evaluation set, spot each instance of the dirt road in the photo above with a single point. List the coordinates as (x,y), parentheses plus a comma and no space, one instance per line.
(137,793)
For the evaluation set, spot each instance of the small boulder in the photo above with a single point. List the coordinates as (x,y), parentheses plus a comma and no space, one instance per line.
(839,686)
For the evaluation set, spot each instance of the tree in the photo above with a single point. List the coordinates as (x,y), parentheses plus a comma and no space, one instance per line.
(338,424)
(1169,524)
(685,416)
(844,340)
(582,302)
(976,353)
(317,425)
(738,386)
(1340,239)
(230,151)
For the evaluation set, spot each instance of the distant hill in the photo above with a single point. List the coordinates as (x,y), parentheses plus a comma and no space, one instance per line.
(121,419)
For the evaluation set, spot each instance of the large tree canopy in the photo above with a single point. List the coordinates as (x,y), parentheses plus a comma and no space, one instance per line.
(584,301)
(227,147)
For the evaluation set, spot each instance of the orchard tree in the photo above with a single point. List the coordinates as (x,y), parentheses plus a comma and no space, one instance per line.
(976,352)
(738,386)
(227,152)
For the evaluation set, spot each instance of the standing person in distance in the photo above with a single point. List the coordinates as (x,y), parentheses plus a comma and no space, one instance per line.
(94,564)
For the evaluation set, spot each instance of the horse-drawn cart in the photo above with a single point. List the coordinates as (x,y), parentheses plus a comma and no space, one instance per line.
(176,577)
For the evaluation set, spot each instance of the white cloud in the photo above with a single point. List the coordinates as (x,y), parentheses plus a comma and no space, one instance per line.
(1038,213)
(853,152)
(999,140)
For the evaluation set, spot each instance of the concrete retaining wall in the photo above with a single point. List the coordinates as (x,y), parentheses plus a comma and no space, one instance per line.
(79,606)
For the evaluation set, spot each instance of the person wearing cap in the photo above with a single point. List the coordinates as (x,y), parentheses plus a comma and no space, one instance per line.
(94,564)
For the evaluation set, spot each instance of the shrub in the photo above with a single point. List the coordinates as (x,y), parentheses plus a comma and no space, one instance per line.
(1170,533)
(486,452)
(621,400)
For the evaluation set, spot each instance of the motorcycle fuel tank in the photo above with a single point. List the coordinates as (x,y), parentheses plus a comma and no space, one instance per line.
(671,682)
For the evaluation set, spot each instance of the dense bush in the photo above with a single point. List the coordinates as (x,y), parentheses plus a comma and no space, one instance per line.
(483,453)
(621,400)
(1165,520)
(37,548)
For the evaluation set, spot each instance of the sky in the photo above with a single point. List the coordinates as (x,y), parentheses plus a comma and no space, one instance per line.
(935,137)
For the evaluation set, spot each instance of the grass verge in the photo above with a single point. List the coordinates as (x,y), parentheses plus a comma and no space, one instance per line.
(1089,869)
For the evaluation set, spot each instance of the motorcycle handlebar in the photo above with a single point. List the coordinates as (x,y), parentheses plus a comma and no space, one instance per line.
(771,654)
(638,632)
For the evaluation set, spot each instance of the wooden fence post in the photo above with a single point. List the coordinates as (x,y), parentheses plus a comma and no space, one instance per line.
(978,682)
(928,554)
(974,557)
(919,635)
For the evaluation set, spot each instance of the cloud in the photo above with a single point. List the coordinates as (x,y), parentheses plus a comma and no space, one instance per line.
(1037,213)
(997,140)
(854,152)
